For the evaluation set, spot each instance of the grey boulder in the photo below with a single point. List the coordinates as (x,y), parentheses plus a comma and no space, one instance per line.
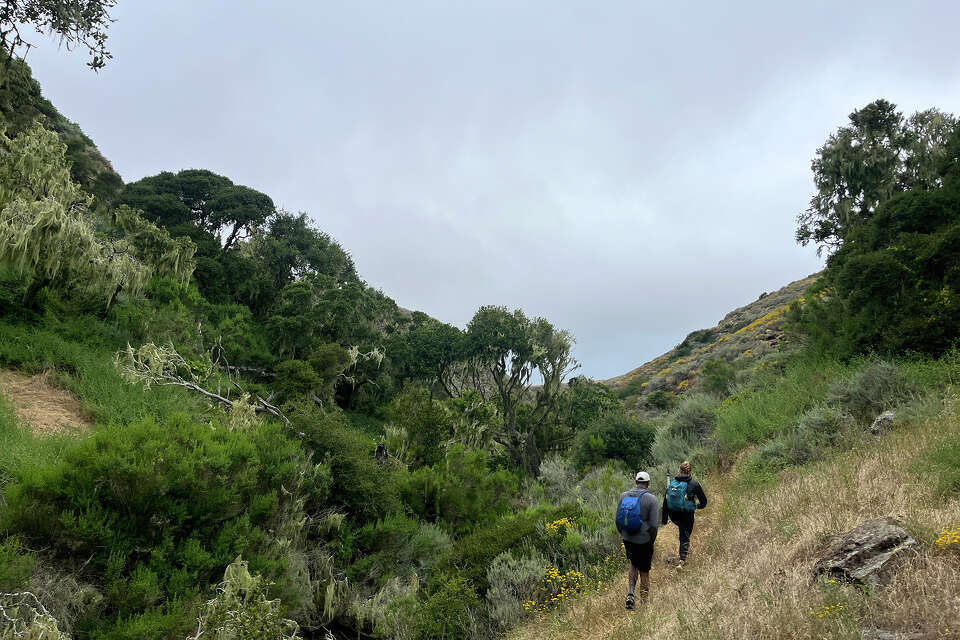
(867,553)
(883,423)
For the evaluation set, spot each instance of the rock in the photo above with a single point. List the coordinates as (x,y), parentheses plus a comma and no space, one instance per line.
(882,424)
(866,554)
(880,634)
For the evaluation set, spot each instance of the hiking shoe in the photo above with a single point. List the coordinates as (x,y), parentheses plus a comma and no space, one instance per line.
(680,565)
(630,601)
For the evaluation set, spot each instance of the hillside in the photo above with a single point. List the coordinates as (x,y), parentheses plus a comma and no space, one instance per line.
(22,103)
(753,550)
(746,334)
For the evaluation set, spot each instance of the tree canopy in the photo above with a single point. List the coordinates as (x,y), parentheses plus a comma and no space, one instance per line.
(75,23)
(863,164)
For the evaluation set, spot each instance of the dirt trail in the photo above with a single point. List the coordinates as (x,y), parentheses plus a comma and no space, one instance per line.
(46,409)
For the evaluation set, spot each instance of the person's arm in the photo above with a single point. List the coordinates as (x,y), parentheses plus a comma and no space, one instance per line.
(663,511)
(653,519)
(701,496)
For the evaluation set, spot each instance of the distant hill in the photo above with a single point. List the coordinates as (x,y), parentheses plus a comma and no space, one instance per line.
(752,331)
(22,103)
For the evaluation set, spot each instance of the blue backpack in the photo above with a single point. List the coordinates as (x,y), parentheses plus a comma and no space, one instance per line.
(628,514)
(677,499)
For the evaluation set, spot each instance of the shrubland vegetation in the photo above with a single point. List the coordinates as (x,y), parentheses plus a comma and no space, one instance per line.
(279,450)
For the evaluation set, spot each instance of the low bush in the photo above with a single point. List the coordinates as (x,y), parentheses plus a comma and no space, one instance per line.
(669,448)
(397,547)
(614,436)
(426,421)
(757,414)
(460,491)
(364,489)
(555,481)
(473,553)
(869,390)
(449,612)
(16,564)
(156,511)
(943,464)
(816,432)
(717,376)
(513,580)
(696,417)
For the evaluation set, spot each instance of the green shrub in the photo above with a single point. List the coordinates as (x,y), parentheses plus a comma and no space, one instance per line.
(450,612)
(660,400)
(614,436)
(513,580)
(757,414)
(16,564)
(473,553)
(156,511)
(632,388)
(871,389)
(669,448)
(366,490)
(943,463)
(426,421)
(816,432)
(696,417)
(717,376)
(460,491)
(397,546)
(242,610)
(555,481)
(295,378)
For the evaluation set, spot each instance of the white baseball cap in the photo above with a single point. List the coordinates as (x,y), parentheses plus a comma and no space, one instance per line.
(643,476)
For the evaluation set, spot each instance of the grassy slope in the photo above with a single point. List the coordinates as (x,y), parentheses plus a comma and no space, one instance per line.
(754,548)
(754,329)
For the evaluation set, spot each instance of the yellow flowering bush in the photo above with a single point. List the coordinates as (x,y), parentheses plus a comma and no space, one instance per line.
(555,587)
(557,529)
(769,318)
(827,610)
(949,537)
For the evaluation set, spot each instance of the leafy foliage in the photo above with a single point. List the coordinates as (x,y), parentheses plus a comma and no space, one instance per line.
(242,610)
(158,510)
(75,22)
(866,163)
(614,437)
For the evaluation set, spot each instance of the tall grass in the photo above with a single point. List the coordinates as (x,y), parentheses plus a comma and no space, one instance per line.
(88,372)
(757,414)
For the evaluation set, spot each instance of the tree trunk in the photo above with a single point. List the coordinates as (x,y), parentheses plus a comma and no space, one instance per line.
(36,286)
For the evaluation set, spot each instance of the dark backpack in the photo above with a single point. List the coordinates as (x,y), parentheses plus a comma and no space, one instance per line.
(628,514)
(677,499)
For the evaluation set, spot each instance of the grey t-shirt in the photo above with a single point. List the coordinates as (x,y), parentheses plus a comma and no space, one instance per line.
(649,513)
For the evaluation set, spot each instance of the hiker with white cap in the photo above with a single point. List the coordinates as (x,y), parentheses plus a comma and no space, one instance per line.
(638,516)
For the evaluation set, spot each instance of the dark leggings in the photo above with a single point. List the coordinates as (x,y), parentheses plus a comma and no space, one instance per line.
(684,522)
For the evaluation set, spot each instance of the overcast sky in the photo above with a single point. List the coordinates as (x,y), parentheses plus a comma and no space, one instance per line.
(631,171)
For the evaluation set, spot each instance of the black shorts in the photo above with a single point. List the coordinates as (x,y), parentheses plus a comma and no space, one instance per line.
(639,554)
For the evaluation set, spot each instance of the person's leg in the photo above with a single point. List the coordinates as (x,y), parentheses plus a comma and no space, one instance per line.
(632,578)
(644,585)
(677,519)
(686,529)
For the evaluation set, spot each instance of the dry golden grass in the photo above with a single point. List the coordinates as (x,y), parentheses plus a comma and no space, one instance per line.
(40,405)
(750,570)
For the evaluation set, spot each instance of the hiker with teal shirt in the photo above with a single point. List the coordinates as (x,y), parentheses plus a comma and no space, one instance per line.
(638,518)
(684,496)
